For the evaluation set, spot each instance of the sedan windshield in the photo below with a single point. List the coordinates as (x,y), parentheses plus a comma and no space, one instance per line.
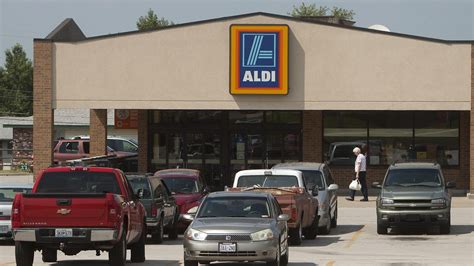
(413,177)
(182,185)
(235,207)
(267,181)
(8,194)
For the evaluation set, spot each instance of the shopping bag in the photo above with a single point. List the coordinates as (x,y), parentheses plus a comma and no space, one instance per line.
(354,185)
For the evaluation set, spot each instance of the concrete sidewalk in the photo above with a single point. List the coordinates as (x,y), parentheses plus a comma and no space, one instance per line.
(21,179)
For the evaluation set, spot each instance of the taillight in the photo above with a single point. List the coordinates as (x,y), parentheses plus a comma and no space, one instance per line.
(16,212)
(113,209)
(154,211)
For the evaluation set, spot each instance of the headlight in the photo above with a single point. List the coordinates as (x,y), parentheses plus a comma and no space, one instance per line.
(193,234)
(438,201)
(386,201)
(263,235)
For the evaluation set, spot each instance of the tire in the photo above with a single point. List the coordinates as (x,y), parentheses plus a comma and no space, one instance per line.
(334,219)
(50,255)
(312,232)
(381,229)
(24,253)
(296,235)
(118,254)
(445,229)
(325,230)
(157,236)
(285,258)
(277,261)
(173,230)
(138,249)
(190,262)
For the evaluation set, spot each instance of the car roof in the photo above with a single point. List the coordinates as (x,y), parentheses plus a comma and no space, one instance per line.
(238,194)
(299,166)
(15,185)
(177,172)
(415,165)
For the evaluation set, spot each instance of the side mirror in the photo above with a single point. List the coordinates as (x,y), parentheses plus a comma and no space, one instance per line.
(283,217)
(450,184)
(376,185)
(188,217)
(139,193)
(333,187)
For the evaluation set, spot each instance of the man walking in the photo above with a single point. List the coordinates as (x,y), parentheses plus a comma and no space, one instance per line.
(360,169)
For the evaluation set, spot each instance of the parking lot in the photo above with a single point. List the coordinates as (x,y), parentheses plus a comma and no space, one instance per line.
(353,242)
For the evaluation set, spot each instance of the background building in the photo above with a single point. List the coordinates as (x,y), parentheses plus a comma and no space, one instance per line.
(400,97)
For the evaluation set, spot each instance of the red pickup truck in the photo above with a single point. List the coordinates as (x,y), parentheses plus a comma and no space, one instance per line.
(74,209)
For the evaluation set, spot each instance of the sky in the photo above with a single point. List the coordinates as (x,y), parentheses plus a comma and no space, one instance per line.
(23,20)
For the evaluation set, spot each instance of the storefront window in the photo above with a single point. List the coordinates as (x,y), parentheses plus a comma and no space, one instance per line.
(246,117)
(291,147)
(390,137)
(175,151)
(342,132)
(203,116)
(437,137)
(274,149)
(283,117)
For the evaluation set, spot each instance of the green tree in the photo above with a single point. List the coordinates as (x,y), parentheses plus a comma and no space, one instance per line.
(151,21)
(312,10)
(16,83)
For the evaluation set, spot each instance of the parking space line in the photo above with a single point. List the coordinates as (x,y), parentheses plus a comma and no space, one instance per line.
(354,237)
(330,263)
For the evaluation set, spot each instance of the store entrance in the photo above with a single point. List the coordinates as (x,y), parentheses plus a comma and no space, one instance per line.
(223,145)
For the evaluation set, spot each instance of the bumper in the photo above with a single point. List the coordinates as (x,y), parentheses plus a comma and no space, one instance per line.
(80,235)
(5,230)
(246,251)
(389,217)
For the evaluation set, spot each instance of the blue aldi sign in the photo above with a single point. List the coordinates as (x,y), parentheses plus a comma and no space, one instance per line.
(259,59)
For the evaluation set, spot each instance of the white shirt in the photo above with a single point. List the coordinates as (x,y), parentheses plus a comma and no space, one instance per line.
(360,163)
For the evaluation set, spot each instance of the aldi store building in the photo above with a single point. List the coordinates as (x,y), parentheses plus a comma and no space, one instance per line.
(253,90)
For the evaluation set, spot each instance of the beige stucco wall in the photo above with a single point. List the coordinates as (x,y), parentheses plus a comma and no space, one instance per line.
(330,68)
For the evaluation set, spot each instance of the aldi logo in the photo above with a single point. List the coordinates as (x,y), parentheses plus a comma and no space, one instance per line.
(259,59)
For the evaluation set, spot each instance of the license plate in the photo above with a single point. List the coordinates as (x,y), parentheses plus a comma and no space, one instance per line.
(227,247)
(4,229)
(63,233)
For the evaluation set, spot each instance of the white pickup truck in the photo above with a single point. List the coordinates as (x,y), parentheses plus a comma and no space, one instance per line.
(290,190)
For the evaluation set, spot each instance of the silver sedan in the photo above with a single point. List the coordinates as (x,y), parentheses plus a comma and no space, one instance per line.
(237,226)
(7,194)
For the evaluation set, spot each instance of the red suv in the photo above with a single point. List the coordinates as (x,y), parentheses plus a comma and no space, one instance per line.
(187,186)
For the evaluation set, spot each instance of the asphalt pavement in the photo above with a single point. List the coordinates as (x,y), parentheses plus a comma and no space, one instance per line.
(353,242)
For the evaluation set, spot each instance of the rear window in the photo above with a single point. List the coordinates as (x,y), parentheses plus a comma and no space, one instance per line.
(78,182)
(140,183)
(267,181)
(8,194)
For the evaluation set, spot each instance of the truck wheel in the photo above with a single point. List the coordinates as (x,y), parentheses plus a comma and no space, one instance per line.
(118,254)
(312,232)
(138,249)
(24,253)
(334,219)
(173,230)
(445,229)
(381,229)
(296,235)
(50,255)
(190,262)
(157,236)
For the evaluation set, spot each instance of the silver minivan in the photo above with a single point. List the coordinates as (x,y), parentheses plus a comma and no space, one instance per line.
(318,175)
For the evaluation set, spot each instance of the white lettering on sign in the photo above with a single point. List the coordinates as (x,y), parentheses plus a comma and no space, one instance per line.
(259,76)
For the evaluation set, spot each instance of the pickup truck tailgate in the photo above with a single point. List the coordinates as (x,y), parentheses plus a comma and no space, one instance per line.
(57,210)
